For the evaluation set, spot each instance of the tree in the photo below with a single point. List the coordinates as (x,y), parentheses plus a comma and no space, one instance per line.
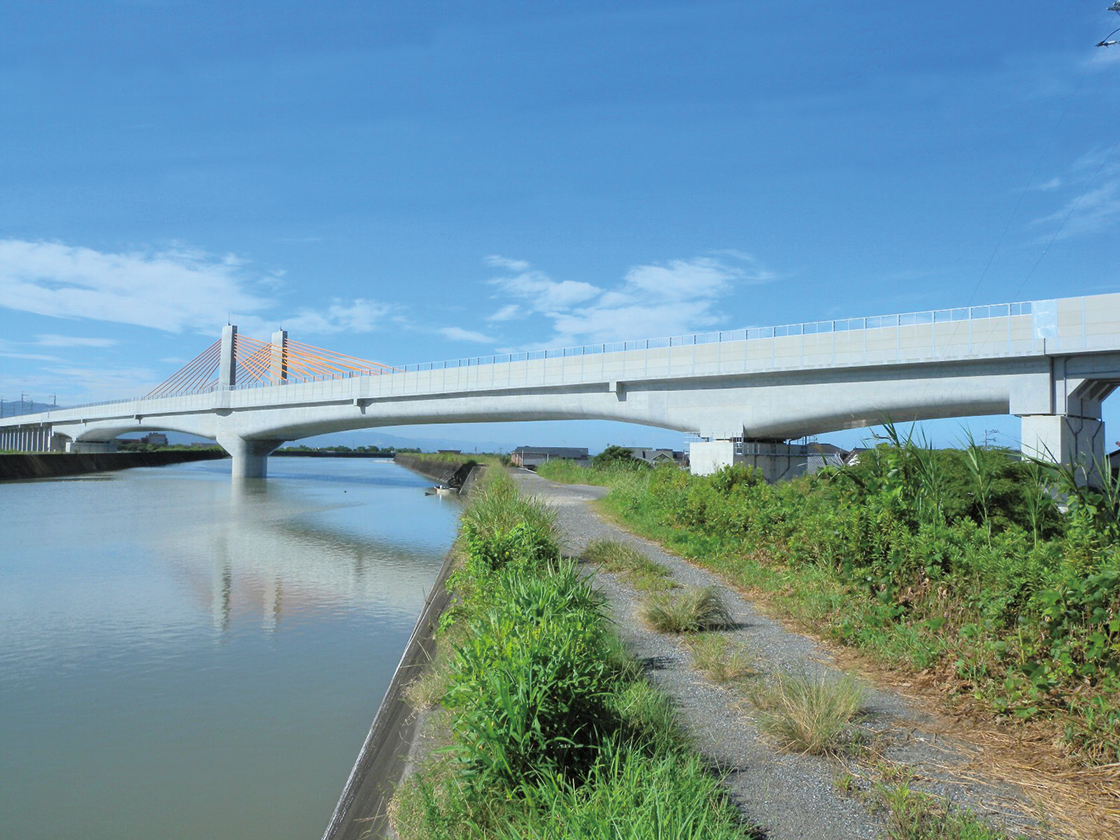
(616,456)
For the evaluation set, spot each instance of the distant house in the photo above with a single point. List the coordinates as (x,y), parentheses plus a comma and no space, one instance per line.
(654,456)
(531,457)
(155,439)
(822,455)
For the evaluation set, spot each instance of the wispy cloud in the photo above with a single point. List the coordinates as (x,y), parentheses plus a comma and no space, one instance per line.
(51,340)
(540,293)
(496,261)
(358,316)
(169,290)
(672,298)
(459,334)
(506,313)
(1092,212)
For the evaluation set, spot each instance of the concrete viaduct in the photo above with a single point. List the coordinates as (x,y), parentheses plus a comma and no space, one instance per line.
(744,392)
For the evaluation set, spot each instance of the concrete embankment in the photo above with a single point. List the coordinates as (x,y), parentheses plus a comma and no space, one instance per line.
(360,812)
(57,464)
(460,475)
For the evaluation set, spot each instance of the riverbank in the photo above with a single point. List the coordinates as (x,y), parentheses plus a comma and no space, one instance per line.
(460,474)
(550,728)
(908,588)
(381,762)
(58,464)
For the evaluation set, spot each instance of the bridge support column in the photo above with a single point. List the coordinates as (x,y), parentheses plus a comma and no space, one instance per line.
(1068,440)
(250,457)
(710,456)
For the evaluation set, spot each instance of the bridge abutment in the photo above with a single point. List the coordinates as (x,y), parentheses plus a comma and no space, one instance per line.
(710,456)
(1067,440)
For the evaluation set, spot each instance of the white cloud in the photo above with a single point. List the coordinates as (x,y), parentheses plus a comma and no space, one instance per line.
(175,290)
(543,294)
(1094,211)
(34,357)
(677,297)
(359,315)
(506,313)
(103,383)
(1053,184)
(496,261)
(459,334)
(73,341)
(170,290)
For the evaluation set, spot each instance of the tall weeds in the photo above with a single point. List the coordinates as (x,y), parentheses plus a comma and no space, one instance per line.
(956,561)
(553,730)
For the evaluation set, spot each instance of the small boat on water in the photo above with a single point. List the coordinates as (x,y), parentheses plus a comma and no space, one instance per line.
(439,490)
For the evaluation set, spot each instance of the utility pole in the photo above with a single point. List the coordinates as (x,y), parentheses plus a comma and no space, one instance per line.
(990,437)
(22,397)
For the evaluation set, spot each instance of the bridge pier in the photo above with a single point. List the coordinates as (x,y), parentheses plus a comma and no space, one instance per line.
(250,457)
(710,456)
(1068,440)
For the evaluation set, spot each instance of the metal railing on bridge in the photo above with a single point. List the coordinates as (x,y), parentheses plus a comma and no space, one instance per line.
(836,325)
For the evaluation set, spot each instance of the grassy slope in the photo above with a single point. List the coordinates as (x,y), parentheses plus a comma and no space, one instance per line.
(552,730)
(1023,618)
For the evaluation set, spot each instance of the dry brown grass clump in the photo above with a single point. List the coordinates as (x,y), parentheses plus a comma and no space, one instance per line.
(687,610)
(721,659)
(810,713)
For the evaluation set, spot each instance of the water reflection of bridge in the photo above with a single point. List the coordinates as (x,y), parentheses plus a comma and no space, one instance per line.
(264,557)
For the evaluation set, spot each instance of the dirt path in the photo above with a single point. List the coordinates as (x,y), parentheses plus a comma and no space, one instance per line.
(791,797)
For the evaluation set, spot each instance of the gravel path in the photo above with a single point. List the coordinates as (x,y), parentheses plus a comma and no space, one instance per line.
(791,797)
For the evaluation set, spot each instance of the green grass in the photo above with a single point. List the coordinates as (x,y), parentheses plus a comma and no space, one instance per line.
(630,564)
(912,815)
(809,713)
(552,732)
(957,562)
(721,659)
(569,472)
(687,610)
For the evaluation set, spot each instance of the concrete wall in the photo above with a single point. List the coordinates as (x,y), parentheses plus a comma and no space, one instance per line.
(60,464)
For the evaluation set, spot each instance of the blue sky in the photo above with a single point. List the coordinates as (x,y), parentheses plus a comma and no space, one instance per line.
(420,181)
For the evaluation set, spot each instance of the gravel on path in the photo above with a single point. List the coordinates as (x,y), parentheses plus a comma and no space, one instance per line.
(790,797)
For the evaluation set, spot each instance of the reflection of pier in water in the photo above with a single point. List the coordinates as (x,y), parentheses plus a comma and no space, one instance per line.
(263,556)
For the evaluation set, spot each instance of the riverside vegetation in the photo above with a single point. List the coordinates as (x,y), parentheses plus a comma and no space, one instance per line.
(551,731)
(959,564)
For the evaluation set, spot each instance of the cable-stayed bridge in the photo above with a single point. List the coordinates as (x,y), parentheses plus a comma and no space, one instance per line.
(1050,362)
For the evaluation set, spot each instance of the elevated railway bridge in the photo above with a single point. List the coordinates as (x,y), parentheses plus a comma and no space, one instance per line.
(1050,362)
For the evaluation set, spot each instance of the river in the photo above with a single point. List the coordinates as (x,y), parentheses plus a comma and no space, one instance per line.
(186,657)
